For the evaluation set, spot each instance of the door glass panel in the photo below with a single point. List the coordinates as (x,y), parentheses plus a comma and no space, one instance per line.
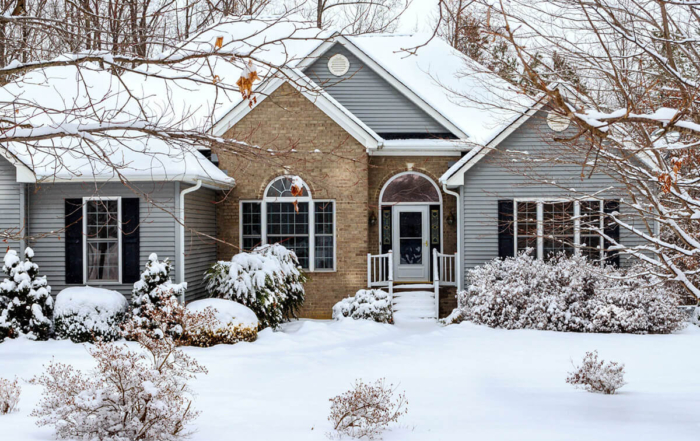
(411,238)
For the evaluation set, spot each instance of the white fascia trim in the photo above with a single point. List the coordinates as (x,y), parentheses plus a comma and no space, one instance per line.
(456,178)
(322,100)
(206,182)
(413,152)
(24,174)
(417,100)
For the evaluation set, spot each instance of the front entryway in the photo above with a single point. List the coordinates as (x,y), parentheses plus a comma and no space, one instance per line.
(411,226)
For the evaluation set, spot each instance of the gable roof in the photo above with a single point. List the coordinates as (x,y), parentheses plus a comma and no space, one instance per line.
(473,103)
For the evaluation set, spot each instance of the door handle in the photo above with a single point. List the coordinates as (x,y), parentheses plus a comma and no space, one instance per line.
(426,243)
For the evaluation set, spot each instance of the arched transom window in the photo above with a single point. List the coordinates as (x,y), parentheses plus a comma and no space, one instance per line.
(410,187)
(288,215)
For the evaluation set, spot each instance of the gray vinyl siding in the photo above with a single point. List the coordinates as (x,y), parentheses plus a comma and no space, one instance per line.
(200,250)
(46,222)
(10,222)
(494,178)
(369,97)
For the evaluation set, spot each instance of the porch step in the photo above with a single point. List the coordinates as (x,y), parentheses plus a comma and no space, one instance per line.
(413,305)
(406,286)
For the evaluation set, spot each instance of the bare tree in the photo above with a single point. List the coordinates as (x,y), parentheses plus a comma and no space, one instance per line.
(628,73)
(359,17)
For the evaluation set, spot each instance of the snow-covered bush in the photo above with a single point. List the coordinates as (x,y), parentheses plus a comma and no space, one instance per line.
(268,280)
(366,410)
(159,318)
(131,395)
(597,376)
(9,395)
(153,291)
(85,314)
(368,304)
(566,294)
(26,303)
(219,321)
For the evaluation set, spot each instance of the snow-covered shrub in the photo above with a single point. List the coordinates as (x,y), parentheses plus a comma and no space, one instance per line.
(368,304)
(597,376)
(85,314)
(218,321)
(9,395)
(366,410)
(131,395)
(26,305)
(153,292)
(268,280)
(158,318)
(566,294)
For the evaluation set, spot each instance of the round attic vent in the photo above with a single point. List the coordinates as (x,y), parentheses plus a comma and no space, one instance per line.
(338,65)
(557,123)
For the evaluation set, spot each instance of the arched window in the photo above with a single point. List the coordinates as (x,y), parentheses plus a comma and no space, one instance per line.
(410,187)
(288,215)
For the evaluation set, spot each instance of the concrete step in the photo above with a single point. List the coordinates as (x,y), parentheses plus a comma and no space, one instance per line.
(402,304)
(414,295)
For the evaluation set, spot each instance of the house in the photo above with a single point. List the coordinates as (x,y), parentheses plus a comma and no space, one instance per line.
(393,156)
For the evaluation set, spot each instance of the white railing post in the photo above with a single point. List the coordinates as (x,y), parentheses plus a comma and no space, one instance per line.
(436,283)
(369,270)
(390,260)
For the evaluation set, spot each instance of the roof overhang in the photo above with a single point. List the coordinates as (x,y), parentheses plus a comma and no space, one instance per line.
(321,99)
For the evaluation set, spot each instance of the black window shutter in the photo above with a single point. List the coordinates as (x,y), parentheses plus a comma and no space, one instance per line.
(74,241)
(506,245)
(131,268)
(612,230)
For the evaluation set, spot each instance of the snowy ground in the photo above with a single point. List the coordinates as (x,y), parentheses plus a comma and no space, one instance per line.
(462,382)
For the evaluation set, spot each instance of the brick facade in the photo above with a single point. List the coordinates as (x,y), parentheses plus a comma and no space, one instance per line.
(335,166)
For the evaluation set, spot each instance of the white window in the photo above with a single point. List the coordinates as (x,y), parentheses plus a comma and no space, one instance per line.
(293,219)
(102,244)
(553,226)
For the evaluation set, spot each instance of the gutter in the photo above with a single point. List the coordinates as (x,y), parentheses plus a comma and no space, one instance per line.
(458,259)
(181,234)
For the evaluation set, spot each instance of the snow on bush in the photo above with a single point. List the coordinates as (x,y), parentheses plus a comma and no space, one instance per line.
(268,280)
(566,294)
(368,304)
(26,305)
(131,395)
(85,314)
(366,410)
(152,292)
(220,322)
(597,376)
(9,395)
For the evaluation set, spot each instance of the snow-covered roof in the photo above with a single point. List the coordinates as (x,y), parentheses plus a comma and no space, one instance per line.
(478,102)
(67,100)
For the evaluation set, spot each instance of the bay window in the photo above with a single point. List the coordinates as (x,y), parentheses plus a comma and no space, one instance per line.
(288,215)
(551,227)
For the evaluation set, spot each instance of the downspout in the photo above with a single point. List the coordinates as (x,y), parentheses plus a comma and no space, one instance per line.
(181,234)
(458,259)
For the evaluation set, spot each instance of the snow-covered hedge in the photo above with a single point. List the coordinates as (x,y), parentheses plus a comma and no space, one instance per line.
(368,304)
(26,305)
(230,322)
(268,280)
(85,314)
(566,294)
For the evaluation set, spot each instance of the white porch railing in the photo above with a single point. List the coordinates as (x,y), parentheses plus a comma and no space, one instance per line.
(380,271)
(444,273)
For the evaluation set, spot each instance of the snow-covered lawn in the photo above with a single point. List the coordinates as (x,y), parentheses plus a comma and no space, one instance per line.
(463,382)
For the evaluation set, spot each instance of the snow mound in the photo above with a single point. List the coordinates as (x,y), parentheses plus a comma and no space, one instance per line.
(227,312)
(84,299)
(86,314)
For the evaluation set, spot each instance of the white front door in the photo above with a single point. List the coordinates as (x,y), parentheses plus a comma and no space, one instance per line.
(411,226)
